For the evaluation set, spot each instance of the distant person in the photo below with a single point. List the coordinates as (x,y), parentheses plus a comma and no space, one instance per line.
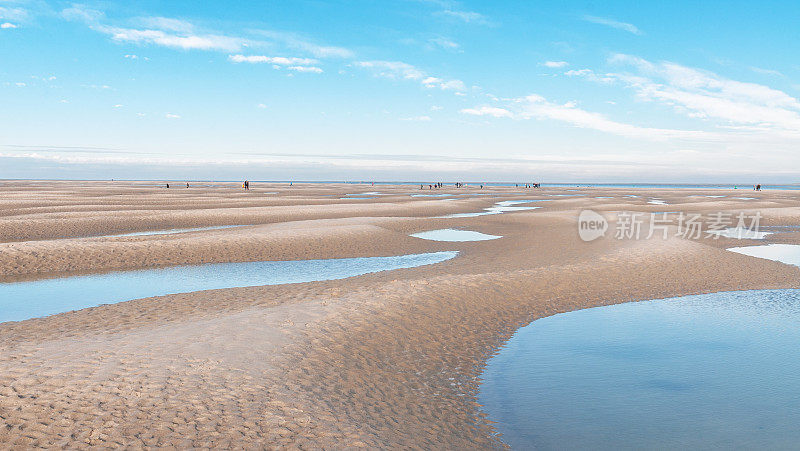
(167,185)
(758,187)
(187,184)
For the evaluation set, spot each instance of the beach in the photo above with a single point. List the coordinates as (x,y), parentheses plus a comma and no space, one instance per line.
(389,359)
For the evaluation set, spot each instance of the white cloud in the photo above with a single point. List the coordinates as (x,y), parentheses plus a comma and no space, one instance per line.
(444,43)
(181,34)
(306,69)
(392,69)
(82,13)
(433,82)
(488,111)
(7,25)
(131,57)
(172,116)
(261,106)
(119,105)
(161,31)
(590,75)
(703,94)
(630,28)
(417,119)
(464,16)
(169,39)
(15,14)
(555,64)
(537,107)
(298,43)
(770,72)
(20,84)
(452,9)
(400,70)
(278,60)
(167,24)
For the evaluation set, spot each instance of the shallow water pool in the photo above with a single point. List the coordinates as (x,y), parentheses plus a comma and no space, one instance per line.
(171,231)
(784,253)
(716,371)
(24,300)
(505,206)
(454,235)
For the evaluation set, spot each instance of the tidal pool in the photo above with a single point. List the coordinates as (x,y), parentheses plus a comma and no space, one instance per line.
(740,233)
(498,208)
(454,235)
(784,253)
(171,231)
(24,300)
(715,371)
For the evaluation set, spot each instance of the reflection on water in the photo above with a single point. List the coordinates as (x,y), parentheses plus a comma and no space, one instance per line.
(784,253)
(171,231)
(498,208)
(23,300)
(454,235)
(713,371)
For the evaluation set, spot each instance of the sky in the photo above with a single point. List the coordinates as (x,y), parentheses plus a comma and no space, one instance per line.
(401,90)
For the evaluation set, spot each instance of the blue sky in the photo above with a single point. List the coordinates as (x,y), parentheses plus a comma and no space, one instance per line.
(401,90)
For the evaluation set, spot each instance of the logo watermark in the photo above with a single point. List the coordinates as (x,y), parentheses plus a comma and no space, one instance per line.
(634,225)
(591,225)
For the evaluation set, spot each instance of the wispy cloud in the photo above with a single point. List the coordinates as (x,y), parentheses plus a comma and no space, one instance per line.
(444,43)
(167,23)
(82,13)
(400,70)
(453,10)
(7,25)
(464,16)
(296,42)
(417,119)
(488,111)
(306,69)
(555,64)
(535,106)
(630,28)
(172,116)
(279,60)
(703,94)
(173,40)
(771,72)
(160,31)
(15,14)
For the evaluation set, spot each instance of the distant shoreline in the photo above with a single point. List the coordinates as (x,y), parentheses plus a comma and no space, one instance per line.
(741,186)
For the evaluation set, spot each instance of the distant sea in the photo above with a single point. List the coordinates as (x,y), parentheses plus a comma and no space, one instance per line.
(520,184)
(566,185)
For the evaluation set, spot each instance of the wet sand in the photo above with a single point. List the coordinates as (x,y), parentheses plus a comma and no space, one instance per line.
(390,359)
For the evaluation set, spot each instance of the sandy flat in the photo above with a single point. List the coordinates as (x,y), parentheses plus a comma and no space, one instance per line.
(390,359)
